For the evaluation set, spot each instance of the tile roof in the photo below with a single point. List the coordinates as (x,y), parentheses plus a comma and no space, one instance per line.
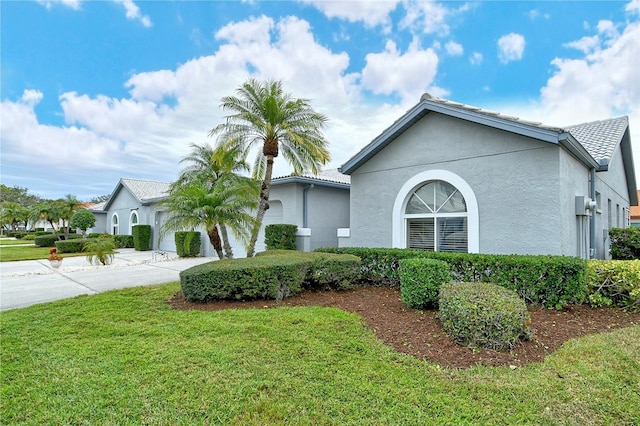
(329,175)
(600,138)
(635,210)
(146,189)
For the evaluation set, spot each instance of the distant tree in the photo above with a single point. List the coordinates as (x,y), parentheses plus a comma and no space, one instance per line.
(18,195)
(82,219)
(265,117)
(100,199)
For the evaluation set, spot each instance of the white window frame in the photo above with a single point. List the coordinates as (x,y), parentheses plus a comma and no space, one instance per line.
(131,224)
(399,223)
(115,226)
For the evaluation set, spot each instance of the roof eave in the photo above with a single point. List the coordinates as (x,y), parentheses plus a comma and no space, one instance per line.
(309,180)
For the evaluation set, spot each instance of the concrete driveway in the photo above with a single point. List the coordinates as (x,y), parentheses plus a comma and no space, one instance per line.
(30,282)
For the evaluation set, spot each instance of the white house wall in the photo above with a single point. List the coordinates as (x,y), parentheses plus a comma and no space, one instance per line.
(328,210)
(515,180)
(574,181)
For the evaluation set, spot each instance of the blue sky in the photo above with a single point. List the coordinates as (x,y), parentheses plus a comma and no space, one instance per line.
(93,91)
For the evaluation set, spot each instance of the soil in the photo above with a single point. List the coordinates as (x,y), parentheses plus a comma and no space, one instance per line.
(419,333)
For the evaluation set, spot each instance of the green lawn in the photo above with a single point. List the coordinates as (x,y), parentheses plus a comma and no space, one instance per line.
(30,252)
(125,357)
(11,241)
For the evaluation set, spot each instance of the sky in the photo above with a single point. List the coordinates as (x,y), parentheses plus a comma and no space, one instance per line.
(93,91)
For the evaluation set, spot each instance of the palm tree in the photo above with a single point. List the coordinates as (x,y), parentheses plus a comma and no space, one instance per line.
(191,204)
(67,206)
(209,167)
(48,211)
(264,116)
(13,214)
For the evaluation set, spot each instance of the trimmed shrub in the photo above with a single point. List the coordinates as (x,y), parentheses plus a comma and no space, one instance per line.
(420,281)
(73,237)
(47,240)
(122,241)
(625,243)
(280,237)
(188,243)
(18,235)
(552,281)
(70,246)
(98,235)
(141,237)
(29,237)
(483,315)
(43,232)
(275,275)
(614,283)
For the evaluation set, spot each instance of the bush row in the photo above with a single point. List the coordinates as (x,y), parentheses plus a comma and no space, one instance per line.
(420,281)
(551,281)
(272,275)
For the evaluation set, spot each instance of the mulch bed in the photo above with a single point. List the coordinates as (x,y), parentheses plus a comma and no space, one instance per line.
(420,334)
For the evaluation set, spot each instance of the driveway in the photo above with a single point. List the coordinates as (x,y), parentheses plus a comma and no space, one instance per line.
(30,282)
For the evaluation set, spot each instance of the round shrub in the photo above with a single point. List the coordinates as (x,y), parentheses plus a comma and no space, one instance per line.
(280,236)
(483,315)
(420,281)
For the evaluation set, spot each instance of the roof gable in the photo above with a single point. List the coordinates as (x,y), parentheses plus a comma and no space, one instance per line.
(144,191)
(592,143)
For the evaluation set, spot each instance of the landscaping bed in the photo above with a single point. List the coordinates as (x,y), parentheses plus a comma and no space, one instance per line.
(419,333)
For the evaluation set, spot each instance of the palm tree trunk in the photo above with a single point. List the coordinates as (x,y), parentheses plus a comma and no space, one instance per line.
(228,251)
(214,238)
(262,207)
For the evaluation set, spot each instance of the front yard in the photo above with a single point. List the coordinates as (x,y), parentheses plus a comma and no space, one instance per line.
(126,357)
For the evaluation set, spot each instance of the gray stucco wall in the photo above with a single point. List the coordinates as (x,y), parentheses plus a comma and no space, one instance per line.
(516,181)
(328,210)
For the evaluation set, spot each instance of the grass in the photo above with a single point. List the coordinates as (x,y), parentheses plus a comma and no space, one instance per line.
(31,252)
(125,357)
(6,242)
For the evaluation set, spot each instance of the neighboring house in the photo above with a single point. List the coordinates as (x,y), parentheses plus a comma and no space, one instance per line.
(317,204)
(101,217)
(635,215)
(451,177)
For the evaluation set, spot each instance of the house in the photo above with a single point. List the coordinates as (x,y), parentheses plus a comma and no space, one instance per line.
(451,177)
(317,204)
(635,215)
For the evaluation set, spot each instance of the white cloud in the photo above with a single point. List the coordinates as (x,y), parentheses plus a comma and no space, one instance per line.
(511,47)
(133,12)
(371,13)
(476,58)
(427,17)
(73,4)
(453,48)
(407,75)
(535,14)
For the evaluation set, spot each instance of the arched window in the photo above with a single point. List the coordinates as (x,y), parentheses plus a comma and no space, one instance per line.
(436,218)
(114,224)
(436,210)
(133,221)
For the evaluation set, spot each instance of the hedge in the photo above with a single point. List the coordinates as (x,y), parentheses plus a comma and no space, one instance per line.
(122,241)
(187,243)
(625,243)
(141,237)
(420,281)
(551,281)
(265,277)
(280,236)
(70,246)
(47,240)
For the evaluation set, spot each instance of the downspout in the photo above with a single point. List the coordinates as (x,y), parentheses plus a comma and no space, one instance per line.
(305,219)
(592,222)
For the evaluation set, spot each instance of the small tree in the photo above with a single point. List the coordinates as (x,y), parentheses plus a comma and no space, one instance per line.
(100,250)
(82,219)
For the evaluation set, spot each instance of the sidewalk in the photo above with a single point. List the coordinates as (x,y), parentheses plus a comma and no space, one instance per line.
(29,282)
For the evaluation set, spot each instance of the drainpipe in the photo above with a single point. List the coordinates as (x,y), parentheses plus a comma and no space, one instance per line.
(305,220)
(592,222)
